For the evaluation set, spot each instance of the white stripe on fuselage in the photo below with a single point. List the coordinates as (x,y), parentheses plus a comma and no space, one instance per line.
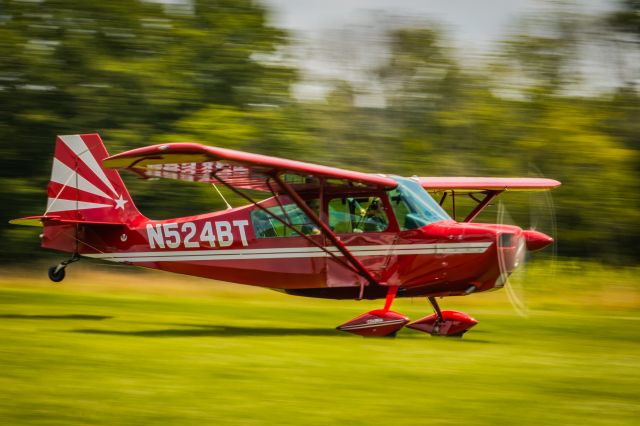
(290,253)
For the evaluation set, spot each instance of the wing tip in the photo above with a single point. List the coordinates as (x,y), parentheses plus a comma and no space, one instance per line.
(488,183)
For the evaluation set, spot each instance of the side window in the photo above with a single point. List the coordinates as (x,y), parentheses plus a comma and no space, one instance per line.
(357,214)
(266,226)
(402,211)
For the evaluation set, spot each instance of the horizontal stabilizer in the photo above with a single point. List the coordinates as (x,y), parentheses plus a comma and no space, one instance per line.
(42,220)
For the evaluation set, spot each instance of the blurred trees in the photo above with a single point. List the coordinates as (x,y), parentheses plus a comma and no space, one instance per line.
(132,71)
(528,111)
(626,19)
(215,72)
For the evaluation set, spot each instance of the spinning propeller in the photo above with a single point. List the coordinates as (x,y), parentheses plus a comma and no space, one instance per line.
(514,274)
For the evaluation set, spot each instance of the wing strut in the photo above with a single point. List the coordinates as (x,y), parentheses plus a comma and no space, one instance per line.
(490,195)
(285,223)
(328,232)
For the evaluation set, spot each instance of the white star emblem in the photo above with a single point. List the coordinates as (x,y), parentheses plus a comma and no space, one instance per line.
(120,202)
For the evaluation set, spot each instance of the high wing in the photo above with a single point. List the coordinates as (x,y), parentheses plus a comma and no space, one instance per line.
(199,163)
(479,184)
(488,187)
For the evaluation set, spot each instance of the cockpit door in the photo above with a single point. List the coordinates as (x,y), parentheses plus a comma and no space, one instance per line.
(365,224)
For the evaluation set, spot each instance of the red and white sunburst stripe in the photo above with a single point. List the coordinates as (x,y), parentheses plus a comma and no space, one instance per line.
(80,188)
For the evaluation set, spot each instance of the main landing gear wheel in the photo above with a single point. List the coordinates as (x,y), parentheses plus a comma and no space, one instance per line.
(444,323)
(377,323)
(56,274)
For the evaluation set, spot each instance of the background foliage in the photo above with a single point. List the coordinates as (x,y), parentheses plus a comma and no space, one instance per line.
(217,72)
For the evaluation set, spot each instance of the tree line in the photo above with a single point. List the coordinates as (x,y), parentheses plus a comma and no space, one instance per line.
(216,72)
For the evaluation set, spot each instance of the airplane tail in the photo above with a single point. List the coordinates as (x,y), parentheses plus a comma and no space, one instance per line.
(81,190)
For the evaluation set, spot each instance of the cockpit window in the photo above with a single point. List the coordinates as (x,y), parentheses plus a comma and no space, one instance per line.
(266,226)
(357,214)
(413,206)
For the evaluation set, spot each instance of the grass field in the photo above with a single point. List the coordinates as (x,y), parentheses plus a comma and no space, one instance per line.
(106,348)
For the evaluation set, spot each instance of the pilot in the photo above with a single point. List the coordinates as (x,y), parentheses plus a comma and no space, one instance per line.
(375,219)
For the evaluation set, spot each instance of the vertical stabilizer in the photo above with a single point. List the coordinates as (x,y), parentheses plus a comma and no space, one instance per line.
(80,189)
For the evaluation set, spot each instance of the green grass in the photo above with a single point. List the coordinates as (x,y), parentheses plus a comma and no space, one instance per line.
(111,349)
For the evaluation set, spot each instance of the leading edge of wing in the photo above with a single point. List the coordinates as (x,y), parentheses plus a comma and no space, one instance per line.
(186,152)
(472,184)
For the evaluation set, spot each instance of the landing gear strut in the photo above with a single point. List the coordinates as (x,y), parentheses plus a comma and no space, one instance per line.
(57,273)
(436,308)
(444,323)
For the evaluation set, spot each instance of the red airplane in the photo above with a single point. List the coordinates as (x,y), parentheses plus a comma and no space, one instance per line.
(323,232)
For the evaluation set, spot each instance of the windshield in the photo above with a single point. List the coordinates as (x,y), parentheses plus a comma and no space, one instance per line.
(413,206)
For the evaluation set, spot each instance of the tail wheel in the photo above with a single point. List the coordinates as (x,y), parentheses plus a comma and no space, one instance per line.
(56,274)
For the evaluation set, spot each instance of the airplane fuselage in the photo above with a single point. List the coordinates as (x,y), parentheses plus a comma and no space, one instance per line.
(443,258)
